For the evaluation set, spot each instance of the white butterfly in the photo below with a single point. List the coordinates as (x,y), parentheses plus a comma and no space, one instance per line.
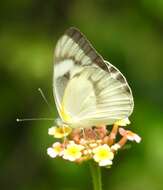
(88,90)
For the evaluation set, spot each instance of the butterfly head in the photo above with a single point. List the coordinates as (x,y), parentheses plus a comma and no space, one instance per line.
(60,123)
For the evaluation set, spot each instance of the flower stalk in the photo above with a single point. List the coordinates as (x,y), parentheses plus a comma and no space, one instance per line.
(96,175)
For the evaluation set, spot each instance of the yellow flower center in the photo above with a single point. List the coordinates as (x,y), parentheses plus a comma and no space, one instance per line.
(61,132)
(73,151)
(103,154)
(57,149)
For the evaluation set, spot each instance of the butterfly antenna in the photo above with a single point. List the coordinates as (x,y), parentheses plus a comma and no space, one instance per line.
(35,119)
(38,119)
(45,99)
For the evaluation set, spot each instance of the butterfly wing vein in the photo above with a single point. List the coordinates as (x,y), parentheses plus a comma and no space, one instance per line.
(89,89)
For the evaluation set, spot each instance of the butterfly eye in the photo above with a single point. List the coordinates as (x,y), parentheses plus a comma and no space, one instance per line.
(67,75)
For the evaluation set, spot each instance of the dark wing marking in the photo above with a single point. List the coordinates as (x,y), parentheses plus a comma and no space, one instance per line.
(83,52)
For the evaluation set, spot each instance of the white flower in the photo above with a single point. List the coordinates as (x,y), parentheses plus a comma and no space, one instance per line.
(103,155)
(115,147)
(59,132)
(73,151)
(130,135)
(51,152)
(55,150)
(51,130)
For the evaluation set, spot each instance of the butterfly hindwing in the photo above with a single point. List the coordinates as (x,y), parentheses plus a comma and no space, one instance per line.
(88,90)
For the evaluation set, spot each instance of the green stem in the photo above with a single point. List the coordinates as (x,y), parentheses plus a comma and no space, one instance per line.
(96,176)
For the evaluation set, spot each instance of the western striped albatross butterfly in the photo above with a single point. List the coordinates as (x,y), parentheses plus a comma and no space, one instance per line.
(88,90)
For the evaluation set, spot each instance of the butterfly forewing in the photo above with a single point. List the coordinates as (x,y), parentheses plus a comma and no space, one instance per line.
(88,90)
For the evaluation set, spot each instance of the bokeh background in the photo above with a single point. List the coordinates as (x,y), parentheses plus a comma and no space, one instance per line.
(127,33)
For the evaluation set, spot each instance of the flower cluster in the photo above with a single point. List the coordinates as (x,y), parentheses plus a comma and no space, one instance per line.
(97,143)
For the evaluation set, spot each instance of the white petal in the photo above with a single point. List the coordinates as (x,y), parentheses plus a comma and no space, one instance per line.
(71,159)
(56,144)
(130,138)
(51,131)
(51,152)
(96,158)
(106,146)
(105,163)
(122,131)
(67,157)
(115,147)
(137,138)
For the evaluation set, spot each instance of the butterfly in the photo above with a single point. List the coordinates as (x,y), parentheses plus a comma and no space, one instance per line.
(88,90)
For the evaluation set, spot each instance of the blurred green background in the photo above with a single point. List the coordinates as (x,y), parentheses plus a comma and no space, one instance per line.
(127,33)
